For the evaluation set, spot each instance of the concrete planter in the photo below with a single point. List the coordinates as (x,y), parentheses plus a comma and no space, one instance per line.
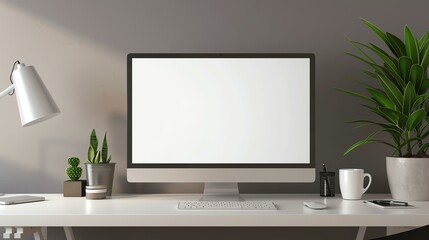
(101,174)
(408,178)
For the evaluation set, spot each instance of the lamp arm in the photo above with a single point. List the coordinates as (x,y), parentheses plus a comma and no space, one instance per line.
(7,90)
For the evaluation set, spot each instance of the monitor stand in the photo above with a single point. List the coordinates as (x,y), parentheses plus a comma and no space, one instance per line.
(221,192)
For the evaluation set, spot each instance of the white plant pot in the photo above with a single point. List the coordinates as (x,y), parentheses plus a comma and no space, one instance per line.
(408,178)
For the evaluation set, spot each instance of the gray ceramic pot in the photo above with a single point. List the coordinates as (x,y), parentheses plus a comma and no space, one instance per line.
(101,174)
(408,178)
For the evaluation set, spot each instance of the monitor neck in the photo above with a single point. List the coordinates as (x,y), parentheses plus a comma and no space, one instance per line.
(221,192)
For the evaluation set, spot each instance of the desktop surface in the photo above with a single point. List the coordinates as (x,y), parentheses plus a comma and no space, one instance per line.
(160,210)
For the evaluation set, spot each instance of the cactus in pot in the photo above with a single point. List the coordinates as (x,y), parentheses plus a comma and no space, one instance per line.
(74,171)
(74,187)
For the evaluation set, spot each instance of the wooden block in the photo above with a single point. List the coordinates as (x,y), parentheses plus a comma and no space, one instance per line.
(74,188)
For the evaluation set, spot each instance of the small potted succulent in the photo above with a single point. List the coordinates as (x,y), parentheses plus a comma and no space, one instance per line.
(99,169)
(74,187)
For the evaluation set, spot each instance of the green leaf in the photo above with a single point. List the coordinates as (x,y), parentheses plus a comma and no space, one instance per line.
(109,159)
(370,74)
(394,77)
(388,116)
(355,45)
(401,118)
(425,57)
(94,140)
(97,157)
(104,149)
(424,86)
(372,65)
(380,97)
(405,64)
(91,154)
(415,118)
(381,34)
(409,98)
(411,45)
(382,54)
(416,76)
(424,40)
(360,143)
(385,126)
(397,45)
(417,103)
(391,91)
(423,148)
(356,95)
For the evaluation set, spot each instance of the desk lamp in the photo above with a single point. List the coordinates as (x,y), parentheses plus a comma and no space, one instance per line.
(34,101)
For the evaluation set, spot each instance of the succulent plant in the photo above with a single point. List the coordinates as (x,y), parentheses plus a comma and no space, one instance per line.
(93,153)
(74,171)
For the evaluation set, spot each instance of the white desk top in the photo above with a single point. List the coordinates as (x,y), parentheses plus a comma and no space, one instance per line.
(161,210)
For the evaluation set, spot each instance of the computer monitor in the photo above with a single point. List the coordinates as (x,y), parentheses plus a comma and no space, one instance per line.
(221,119)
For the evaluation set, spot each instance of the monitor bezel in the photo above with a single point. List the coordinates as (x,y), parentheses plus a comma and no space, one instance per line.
(132,56)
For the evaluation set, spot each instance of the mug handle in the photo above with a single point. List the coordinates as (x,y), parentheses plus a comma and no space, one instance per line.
(369,183)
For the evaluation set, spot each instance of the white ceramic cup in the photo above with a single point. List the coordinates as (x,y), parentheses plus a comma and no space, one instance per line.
(351,183)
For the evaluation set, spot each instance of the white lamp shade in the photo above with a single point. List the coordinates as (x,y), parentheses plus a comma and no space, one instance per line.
(35,103)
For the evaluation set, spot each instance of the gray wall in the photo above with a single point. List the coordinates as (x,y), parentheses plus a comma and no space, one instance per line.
(79,47)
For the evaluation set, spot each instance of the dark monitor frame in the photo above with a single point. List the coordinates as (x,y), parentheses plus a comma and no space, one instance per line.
(220,55)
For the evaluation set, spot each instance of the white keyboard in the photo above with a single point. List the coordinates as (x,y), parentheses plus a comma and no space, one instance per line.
(226,205)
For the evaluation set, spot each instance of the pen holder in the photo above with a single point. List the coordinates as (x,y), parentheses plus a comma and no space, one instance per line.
(327,184)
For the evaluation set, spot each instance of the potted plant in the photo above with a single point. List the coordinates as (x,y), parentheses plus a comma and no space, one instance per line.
(99,169)
(398,96)
(74,187)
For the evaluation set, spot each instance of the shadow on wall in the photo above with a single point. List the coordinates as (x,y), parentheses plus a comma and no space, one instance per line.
(27,180)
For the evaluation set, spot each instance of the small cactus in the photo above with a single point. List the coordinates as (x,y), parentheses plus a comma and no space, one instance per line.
(74,171)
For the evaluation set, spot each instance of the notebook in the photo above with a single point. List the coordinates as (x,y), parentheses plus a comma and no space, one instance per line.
(20,199)
(389,204)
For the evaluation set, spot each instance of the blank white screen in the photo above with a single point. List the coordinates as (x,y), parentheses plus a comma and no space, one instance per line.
(221,110)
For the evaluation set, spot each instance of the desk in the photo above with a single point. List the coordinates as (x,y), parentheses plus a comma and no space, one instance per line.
(160,210)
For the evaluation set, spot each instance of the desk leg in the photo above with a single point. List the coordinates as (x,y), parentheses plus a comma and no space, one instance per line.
(396,230)
(69,233)
(40,233)
(361,233)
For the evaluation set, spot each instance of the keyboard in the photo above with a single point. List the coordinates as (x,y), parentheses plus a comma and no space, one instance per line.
(226,205)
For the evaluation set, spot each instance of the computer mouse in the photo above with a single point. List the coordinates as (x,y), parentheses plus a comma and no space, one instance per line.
(315,205)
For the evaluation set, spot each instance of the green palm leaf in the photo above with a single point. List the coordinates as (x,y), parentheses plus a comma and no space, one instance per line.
(409,98)
(356,95)
(424,40)
(423,149)
(411,45)
(415,118)
(380,97)
(405,64)
(416,76)
(425,57)
(391,90)
(387,59)
(381,34)
(397,45)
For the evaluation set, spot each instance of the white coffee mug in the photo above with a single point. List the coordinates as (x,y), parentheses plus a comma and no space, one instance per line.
(351,183)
